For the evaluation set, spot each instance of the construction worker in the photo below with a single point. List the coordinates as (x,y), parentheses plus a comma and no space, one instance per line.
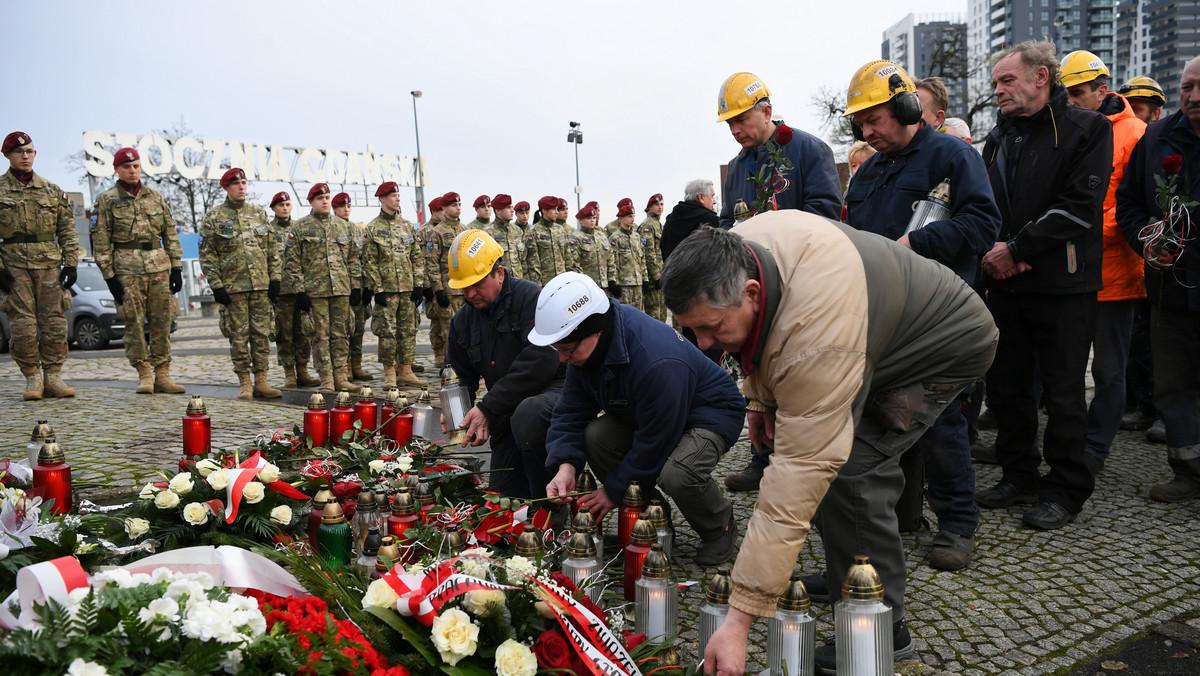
(810,184)
(489,341)
(291,340)
(545,244)
(138,252)
(34,213)
(447,300)
(394,269)
(1146,97)
(1086,78)
(324,264)
(359,312)
(240,258)
(628,260)
(651,230)
(510,237)
(593,249)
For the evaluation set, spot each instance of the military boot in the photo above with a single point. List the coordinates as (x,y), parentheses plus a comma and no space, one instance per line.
(33,385)
(302,377)
(53,385)
(289,376)
(405,376)
(417,368)
(357,372)
(341,380)
(326,381)
(145,378)
(163,382)
(263,388)
(389,377)
(245,389)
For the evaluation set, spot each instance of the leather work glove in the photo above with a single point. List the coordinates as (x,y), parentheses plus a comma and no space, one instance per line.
(381,299)
(646,286)
(416,296)
(367,295)
(117,289)
(222,296)
(427,292)
(273,289)
(176,280)
(614,289)
(6,280)
(303,302)
(355,297)
(68,275)
(442,299)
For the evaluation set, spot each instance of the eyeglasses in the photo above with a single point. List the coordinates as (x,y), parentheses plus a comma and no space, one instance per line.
(568,352)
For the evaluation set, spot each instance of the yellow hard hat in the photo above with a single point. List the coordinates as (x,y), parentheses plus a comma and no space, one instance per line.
(472,256)
(1081,66)
(738,94)
(876,83)
(1143,87)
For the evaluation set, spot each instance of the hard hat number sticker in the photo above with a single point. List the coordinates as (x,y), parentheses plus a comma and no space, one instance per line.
(578,305)
(475,246)
(886,72)
(753,87)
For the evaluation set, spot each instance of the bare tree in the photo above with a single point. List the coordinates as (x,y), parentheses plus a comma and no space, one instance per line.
(830,106)
(950,62)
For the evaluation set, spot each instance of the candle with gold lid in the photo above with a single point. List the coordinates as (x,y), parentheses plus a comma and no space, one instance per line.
(333,536)
(656,611)
(316,420)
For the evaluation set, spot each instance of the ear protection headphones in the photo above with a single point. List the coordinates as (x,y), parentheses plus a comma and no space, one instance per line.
(905,105)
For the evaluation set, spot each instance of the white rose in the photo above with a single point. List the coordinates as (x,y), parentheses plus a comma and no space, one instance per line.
(474,567)
(376,466)
(219,479)
(148,492)
(136,528)
(515,659)
(268,474)
(81,668)
(454,635)
(480,602)
(282,515)
(167,608)
(404,463)
(206,467)
(181,483)
(166,500)
(521,564)
(253,492)
(196,514)
(380,595)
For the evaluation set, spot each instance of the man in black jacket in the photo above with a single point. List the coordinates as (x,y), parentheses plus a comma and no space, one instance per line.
(1049,164)
(489,341)
(697,208)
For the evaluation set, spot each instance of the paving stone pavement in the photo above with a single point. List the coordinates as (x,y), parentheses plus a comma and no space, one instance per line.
(1030,603)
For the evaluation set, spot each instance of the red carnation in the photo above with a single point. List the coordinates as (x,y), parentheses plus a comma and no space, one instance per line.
(552,651)
(1172,164)
(783,134)
(563,581)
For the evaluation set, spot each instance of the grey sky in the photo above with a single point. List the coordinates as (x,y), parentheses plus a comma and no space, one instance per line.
(501,80)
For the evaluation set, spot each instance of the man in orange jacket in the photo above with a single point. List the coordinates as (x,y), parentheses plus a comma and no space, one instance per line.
(1086,78)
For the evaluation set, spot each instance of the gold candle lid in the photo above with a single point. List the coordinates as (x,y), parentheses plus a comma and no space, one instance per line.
(456,539)
(196,406)
(342,399)
(585,483)
(423,397)
(388,554)
(333,513)
(795,597)
(365,394)
(424,493)
(720,586)
(449,376)
(402,502)
(529,543)
(51,454)
(316,402)
(643,533)
(391,396)
(42,432)
(656,566)
(634,496)
(656,513)
(581,546)
(402,403)
(862,581)
(381,501)
(366,501)
(583,521)
(323,497)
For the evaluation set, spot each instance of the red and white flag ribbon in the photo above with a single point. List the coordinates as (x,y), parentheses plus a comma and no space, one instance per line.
(36,583)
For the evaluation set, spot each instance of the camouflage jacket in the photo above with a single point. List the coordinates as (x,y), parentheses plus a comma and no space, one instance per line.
(281,230)
(38,212)
(437,255)
(237,250)
(612,227)
(628,259)
(124,221)
(651,230)
(566,234)
(323,259)
(592,249)
(512,240)
(392,258)
(545,252)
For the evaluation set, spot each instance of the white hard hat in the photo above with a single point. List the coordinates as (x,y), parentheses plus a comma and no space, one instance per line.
(563,304)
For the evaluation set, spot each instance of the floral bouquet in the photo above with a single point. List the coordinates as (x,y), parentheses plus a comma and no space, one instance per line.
(770,178)
(1164,241)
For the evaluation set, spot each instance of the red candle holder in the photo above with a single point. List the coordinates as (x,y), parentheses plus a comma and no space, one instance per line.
(397,418)
(632,506)
(341,418)
(316,421)
(366,411)
(197,430)
(404,514)
(642,539)
(52,478)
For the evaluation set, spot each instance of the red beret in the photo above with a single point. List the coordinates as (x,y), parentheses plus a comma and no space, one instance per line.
(15,140)
(501,201)
(450,198)
(656,197)
(318,189)
(562,203)
(387,188)
(435,204)
(586,212)
(625,210)
(521,206)
(341,198)
(125,155)
(548,202)
(625,202)
(232,175)
(482,201)
(281,197)
(593,204)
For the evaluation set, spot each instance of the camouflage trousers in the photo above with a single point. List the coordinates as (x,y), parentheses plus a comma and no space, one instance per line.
(393,324)
(330,341)
(291,342)
(439,324)
(358,322)
(36,310)
(148,295)
(249,327)
(654,304)
(632,296)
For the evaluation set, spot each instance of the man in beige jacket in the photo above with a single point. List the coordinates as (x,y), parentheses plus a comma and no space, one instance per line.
(829,323)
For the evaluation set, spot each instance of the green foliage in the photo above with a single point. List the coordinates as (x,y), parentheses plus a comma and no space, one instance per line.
(769,175)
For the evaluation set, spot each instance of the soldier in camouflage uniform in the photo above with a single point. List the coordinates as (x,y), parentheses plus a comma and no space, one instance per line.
(615,224)
(546,245)
(593,249)
(521,211)
(510,237)
(359,312)
(240,258)
(291,339)
(436,216)
(566,234)
(33,212)
(394,267)
(483,213)
(324,264)
(437,271)
(138,252)
(628,259)
(651,230)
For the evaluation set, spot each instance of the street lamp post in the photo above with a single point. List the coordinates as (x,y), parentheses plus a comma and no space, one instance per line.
(575,136)
(416,94)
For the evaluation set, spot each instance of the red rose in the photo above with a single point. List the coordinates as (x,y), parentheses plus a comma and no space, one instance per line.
(552,651)
(633,640)
(563,581)
(783,134)
(346,489)
(1172,164)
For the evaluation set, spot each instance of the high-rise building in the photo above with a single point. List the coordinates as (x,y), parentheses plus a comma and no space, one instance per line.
(1157,38)
(927,45)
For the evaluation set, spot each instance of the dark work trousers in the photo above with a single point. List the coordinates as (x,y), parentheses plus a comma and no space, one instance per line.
(943,456)
(1053,332)
(1175,338)
(519,454)
(1139,373)
(1110,352)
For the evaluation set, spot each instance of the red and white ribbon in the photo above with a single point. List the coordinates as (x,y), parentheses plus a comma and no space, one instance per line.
(232,567)
(36,583)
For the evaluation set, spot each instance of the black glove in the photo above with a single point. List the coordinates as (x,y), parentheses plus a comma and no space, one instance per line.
(442,299)
(176,280)
(68,275)
(646,286)
(273,289)
(427,293)
(117,288)
(416,295)
(355,297)
(381,299)
(6,280)
(222,296)
(657,283)
(614,289)
(367,295)
(303,302)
